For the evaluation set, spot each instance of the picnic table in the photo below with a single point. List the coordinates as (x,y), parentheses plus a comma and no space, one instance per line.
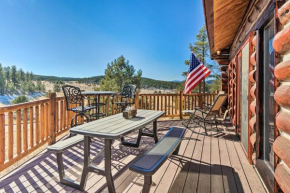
(110,128)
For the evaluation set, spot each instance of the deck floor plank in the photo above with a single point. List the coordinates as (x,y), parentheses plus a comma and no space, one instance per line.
(214,163)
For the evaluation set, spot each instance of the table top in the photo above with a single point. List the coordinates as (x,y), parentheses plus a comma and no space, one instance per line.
(116,126)
(98,92)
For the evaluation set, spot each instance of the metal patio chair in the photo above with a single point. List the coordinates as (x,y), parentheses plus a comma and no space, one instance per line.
(127,94)
(206,115)
(75,103)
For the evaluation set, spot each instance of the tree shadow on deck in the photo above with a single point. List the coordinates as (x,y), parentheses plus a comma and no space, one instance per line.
(41,173)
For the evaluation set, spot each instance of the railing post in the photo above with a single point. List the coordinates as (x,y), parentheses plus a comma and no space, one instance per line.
(52,119)
(180,104)
(137,100)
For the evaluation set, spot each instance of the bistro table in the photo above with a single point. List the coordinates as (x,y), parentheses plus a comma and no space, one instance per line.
(97,97)
(111,128)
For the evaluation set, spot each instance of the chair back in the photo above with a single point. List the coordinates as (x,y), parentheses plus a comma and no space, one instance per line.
(72,95)
(219,101)
(129,91)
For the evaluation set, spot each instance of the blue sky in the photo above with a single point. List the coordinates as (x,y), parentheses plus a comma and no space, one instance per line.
(77,38)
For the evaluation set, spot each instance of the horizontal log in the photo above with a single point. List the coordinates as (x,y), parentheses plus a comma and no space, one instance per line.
(282,70)
(225,80)
(253,91)
(281,147)
(282,96)
(223,61)
(224,75)
(253,139)
(224,86)
(254,158)
(252,123)
(254,41)
(224,68)
(253,59)
(253,107)
(282,177)
(283,121)
(252,76)
(281,42)
(284,13)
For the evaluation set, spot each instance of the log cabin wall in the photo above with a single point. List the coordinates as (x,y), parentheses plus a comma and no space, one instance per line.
(252,101)
(281,145)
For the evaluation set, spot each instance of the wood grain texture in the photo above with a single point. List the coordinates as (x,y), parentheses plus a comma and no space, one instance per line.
(282,177)
(254,41)
(253,107)
(281,42)
(282,96)
(282,70)
(252,76)
(253,91)
(2,138)
(283,121)
(281,147)
(284,13)
(227,17)
(253,59)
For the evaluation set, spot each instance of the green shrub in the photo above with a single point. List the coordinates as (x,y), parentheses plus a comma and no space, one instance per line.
(19,99)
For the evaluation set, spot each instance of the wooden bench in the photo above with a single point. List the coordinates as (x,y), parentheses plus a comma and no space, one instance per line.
(148,163)
(58,148)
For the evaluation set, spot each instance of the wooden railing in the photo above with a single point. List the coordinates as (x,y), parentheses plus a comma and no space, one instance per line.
(26,127)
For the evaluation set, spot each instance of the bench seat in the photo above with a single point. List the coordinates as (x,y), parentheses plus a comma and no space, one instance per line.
(148,163)
(60,146)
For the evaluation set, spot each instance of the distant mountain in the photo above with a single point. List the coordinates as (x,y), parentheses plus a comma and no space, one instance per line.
(145,82)
(179,81)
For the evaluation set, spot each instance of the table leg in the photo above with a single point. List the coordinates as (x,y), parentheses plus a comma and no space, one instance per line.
(87,162)
(155,131)
(108,162)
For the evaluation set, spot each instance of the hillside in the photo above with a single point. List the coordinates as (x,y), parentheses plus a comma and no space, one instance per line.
(145,82)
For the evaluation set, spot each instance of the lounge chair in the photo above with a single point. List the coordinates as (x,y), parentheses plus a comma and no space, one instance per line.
(206,115)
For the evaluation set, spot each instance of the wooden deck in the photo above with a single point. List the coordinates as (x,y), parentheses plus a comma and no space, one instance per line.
(214,163)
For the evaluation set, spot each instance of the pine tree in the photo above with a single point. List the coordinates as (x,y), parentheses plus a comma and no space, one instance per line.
(13,75)
(2,80)
(120,73)
(200,48)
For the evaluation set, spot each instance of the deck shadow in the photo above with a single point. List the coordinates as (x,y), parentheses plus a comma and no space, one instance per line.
(201,177)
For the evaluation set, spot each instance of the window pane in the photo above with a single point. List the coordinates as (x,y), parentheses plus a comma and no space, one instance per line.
(268,94)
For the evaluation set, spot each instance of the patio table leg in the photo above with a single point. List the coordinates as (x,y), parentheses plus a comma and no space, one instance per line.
(108,162)
(155,131)
(87,162)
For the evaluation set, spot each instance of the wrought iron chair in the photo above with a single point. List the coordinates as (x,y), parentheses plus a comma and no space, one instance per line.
(127,94)
(206,115)
(74,97)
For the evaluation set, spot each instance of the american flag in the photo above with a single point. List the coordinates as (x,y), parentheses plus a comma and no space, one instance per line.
(196,73)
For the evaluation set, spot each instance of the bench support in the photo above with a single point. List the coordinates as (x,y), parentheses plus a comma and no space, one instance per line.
(140,134)
(147,184)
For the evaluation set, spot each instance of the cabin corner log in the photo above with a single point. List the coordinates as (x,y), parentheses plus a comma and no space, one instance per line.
(281,43)
(252,123)
(252,76)
(282,96)
(284,13)
(282,177)
(281,147)
(253,139)
(253,59)
(253,91)
(254,41)
(253,107)
(282,70)
(283,121)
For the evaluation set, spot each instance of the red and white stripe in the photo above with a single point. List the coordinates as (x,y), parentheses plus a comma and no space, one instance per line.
(195,77)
